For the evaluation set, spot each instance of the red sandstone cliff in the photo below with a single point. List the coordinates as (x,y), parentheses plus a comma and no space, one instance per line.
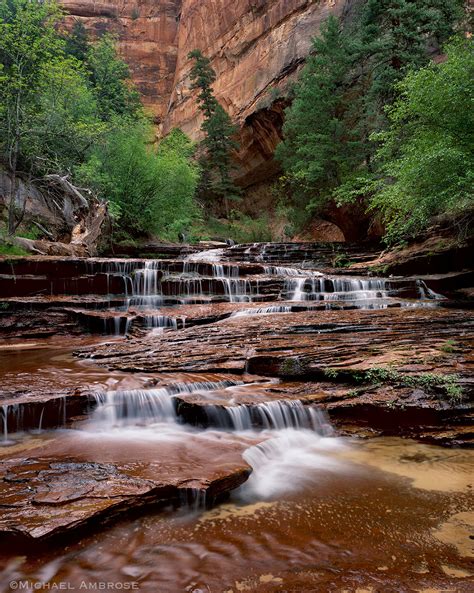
(147,32)
(256,46)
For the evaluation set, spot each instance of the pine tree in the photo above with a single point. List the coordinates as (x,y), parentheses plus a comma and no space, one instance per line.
(318,146)
(110,78)
(218,143)
(397,35)
(77,41)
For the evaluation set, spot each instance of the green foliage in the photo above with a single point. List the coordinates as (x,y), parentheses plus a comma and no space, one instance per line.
(331,373)
(7,248)
(77,42)
(450,346)
(149,191)
(239,227)
(426,155)
(447,384)
(318,149)
(28,43)
(56,92)
(66,122)
(394,38)
(68,106)
(343,105)
(110,79)
(218,143)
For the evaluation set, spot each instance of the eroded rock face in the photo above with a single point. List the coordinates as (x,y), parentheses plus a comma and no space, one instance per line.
(254,46)
(147,32)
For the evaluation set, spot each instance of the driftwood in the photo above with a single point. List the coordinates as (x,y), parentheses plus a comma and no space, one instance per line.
(84,240)
(73,202)
(64,213)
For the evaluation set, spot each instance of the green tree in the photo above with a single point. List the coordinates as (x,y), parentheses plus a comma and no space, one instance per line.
(319,148)
(219,132)
(28,42)
(66,122)
(77,41)
(342,94)
(150,192)
(427,160)
(110,79)
(396,36)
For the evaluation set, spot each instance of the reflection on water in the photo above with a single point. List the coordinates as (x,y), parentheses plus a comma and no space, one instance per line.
(318,514)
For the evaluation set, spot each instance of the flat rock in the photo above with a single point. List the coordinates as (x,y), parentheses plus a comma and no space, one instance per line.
(57,493)
(307,344)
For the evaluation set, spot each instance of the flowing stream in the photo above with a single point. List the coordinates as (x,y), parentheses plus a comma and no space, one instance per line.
(318,512)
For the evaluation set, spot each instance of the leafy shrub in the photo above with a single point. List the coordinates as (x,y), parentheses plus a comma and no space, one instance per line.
(150,191)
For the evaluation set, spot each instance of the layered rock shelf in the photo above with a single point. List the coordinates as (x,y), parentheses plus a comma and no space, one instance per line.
(43,498)
(182,365)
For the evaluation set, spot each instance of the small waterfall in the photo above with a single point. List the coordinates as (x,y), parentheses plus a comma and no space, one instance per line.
(263,310)
(5,423)
(161,322)
(427,293)
(146,406)
(194,499)
(290,461)
(291,272)
(146,280)
(270,415)
(117,408)
(334,289)
(236,290)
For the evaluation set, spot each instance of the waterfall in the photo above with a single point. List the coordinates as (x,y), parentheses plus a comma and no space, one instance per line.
(283,271)
(262,311)
(270,415)
(161,322)
(203,277)
(5,423)
(287,462)
(427,293)
(146,406)
(334,289)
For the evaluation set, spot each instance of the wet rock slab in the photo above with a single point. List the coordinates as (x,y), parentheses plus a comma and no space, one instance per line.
(47,497)
(307,344)
(333,355)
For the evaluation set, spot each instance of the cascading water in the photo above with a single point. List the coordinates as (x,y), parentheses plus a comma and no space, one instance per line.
(290,460)
(146,406)
(270,415)
(334,289)
(263,311)
(295,437)
(203,278)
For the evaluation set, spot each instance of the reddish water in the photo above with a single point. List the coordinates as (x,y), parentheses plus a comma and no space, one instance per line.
(355,529)
(319,515)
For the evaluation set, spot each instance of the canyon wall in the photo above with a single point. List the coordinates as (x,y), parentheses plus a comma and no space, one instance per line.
(256,47)
(147,32)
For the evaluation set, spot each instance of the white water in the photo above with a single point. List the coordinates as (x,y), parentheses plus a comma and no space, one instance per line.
(203,276)
(209,255)
(288,462)
(298,441)
(146,406)
(271,415)
(334,289)
(263,311)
